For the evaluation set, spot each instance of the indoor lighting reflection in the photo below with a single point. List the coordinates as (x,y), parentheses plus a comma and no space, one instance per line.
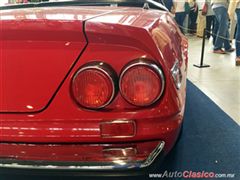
(55,129)
(29,107)
(124,152)
(144,56)
(109,18)
(7,17)
(60,16)
(129,20)
(120,162)
(31,16)
(67,43)
(85,129)
(30,115)
(18,128)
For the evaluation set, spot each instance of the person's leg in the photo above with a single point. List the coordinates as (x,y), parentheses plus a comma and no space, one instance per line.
(218,41)
(194,21)
(208,25)
(237,38)
(226,40)
(179,17)
(232,28)
(212,23)
(201,24)
(183,15)
(185,23)
(238,33)
(190,22)
(215,29)
(222,34)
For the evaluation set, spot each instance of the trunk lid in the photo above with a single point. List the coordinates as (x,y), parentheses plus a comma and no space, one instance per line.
(38,48)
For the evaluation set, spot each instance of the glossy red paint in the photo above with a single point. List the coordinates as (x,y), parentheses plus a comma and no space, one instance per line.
(53,43)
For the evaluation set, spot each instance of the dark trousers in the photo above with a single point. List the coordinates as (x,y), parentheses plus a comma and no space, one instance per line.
(237,35)
(192,25)
(209,25)
(179,17)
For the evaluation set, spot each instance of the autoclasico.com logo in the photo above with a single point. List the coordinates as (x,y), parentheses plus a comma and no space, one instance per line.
(192,175)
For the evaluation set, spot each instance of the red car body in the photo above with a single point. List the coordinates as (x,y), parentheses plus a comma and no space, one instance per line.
(42,126)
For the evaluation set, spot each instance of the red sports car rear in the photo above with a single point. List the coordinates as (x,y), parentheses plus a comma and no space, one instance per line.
(89,87)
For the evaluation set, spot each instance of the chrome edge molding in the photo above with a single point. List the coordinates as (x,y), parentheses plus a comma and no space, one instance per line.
(153,155)
(151,65)
(115,165)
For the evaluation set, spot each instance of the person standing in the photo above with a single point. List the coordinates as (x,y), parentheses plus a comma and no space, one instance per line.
(232,29)
(193,16)
(235,7)
(180,13)
(222,39)
(168,4)
(209,19)
(201,20)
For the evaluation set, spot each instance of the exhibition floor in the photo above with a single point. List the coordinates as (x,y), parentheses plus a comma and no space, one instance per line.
(220,82)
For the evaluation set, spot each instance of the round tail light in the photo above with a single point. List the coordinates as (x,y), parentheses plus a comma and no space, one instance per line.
(93,86)
(142,83)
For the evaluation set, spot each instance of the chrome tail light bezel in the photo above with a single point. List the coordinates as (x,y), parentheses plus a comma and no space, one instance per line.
(107,70)
(149,64)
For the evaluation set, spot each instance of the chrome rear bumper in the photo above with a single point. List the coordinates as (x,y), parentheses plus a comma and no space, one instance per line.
(80,156)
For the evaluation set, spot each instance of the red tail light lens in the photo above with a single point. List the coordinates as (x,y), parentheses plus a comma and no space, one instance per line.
(142,83)
(93,88)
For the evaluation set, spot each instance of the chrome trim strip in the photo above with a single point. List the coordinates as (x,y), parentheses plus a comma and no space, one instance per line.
(104,68)
(114,165)
(151,65)
(120,122)
(120,149)
(154,154)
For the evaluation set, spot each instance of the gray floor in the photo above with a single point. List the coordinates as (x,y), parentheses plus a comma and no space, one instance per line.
(220,82)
